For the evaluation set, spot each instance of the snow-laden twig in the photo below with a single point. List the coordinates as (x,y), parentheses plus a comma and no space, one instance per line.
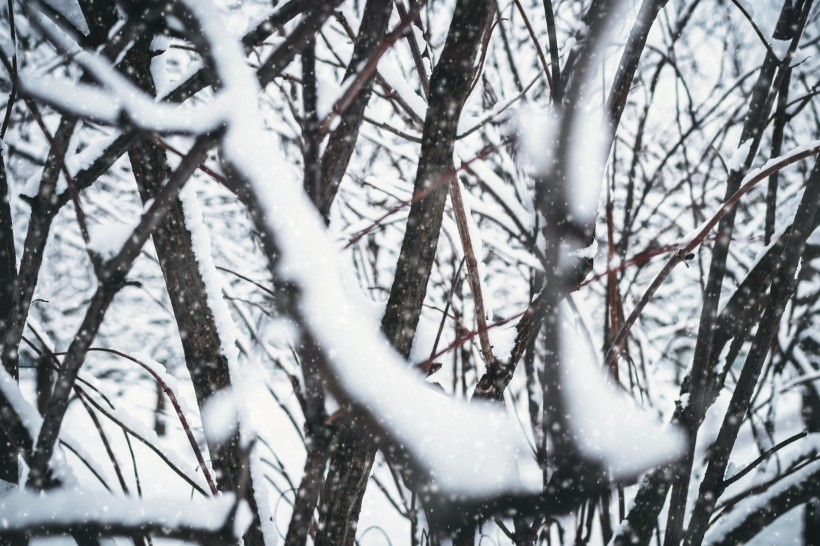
(59,512)
(762,457)
(751,515)
(168,385)
(150,439)
(120,99)
(441,434)
(228,334)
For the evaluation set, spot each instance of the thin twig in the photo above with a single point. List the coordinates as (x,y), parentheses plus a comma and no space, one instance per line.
(537,46)
(473,274)
(12,73)
(756,28)
(684,251)
(763,456)
(369,67)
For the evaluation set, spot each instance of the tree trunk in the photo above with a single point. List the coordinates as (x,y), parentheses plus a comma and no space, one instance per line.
(811,418)
(342,140)
(450,85)
(8,279)
(201,344)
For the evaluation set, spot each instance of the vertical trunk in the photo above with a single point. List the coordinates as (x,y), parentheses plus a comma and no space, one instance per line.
(342,140)
(450,86)
(44,382)
(760,105)
(201,344)
(811,418)
(8,279)
(616,102)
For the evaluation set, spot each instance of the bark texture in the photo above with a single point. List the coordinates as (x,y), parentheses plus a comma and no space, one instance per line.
(342,140)
(200,339)
(450,85)
(712,328)
(8,279)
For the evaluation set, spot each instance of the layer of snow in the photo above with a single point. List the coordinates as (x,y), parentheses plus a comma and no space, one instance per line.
(220,416)
(29,510)
(503,340)
(396,80)
(70,9)
(739,156)
(119,97)
(465,449)
(810,146)
(780,48)
(607,424)
(106,239)
(537,128)
(201,240)
(588,252)
(327,92)
(588,150)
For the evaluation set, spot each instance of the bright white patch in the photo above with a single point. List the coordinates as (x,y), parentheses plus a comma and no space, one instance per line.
(70,9)
(26,510)
(537,129)
(327,91)
(108,238)
(738,159)
(400,84)
(780,48)
(588,252)
(503,340)
(587,158)
(242,519)
(219,416)
(607,424)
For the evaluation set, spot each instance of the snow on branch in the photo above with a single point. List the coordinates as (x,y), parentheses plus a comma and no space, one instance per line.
(64,511)
(465,450)
(118,99)
(446,437)
(609,427)
(747,518)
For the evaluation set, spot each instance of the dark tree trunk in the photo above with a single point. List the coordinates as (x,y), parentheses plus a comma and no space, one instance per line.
(342,140)
(811,418)
(8,280)
(450,85)
(201,344)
